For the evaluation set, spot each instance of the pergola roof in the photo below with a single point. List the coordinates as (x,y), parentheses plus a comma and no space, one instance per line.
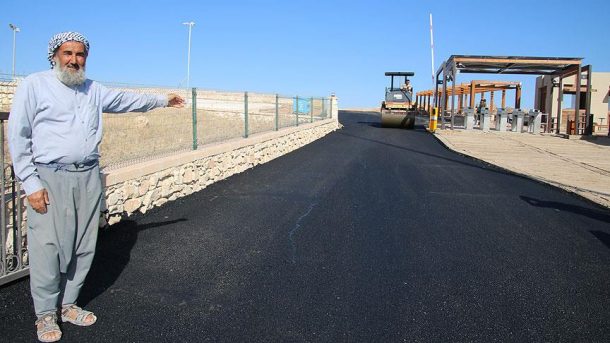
(481,86)
(561,67)
(513,64)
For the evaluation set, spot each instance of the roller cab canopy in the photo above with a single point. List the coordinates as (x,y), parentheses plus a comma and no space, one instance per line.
(399,73)
(401,76)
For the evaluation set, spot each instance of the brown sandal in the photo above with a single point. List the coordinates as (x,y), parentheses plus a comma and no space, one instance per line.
(47,325)
(81,316)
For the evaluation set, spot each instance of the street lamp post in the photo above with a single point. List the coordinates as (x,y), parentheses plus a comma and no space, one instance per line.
(188,63)
(15,30)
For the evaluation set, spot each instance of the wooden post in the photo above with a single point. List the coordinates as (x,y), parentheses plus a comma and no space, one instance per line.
(548,106)
(588,125)
(472,89)
(453,77)
(577,101)
(444,99)
(518,97)
(491,101)
(559,98)
(504,98)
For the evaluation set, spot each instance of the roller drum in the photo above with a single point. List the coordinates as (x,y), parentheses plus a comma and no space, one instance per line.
(402,119)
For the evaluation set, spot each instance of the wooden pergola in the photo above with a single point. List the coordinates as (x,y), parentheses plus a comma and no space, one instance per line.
(466,93)
(560,67)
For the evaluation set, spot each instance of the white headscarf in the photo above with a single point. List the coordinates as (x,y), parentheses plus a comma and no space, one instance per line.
(63,37)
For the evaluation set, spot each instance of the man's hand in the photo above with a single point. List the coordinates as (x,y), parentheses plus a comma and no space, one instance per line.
(39,201)
(174,100)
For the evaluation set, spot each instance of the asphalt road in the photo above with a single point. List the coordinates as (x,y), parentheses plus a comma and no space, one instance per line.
(366,235)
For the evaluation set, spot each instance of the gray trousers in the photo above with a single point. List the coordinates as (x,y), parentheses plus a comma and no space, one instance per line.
(61,242)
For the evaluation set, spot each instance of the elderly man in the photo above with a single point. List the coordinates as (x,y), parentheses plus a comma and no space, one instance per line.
(55,129)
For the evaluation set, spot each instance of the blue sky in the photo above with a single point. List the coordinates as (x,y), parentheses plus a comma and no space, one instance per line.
(300,47)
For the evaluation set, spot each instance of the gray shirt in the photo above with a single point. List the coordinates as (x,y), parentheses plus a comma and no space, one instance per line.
(53,123)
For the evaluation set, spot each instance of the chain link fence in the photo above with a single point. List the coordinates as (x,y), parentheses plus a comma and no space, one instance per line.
(134,137)
(209,117)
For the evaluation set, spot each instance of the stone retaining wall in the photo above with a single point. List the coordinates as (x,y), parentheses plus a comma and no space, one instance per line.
(7,90)
(141,187)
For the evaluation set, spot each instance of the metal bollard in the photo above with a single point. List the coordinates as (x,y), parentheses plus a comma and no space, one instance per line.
(484,119)
(533,123)
(501,119)
(468,118)
(433,119)
(517,124)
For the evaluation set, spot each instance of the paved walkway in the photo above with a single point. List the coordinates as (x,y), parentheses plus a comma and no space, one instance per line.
(581,166)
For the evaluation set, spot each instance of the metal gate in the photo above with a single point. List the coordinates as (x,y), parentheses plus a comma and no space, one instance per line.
(14,253)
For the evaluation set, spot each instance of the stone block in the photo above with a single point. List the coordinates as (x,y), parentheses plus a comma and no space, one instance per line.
(130,191)
(153,180)
(132,205)
(160,202)
(143,188)
(112,199)
(189,176)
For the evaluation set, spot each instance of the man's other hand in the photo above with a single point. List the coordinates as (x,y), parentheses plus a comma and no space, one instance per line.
(39,201)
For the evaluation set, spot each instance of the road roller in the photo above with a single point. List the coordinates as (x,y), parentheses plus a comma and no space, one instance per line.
(397,109)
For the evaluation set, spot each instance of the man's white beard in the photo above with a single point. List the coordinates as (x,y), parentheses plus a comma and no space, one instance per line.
(69,77)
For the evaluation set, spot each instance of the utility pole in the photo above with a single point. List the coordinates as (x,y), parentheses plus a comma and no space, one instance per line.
(188,63)
(15,30)
(432,53)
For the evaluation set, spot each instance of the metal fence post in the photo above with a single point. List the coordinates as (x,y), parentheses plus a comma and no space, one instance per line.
(194,116)
(311,110)
(16,188)
(245,114)
(297,108)
(323,109)
(277,111)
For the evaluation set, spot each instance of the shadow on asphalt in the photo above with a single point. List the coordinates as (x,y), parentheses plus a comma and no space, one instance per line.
(377,124)
(371,123)
(475,163)
(600,215)
(603,237)
(112,255)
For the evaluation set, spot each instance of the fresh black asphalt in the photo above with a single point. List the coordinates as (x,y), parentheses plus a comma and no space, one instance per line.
(369,234)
